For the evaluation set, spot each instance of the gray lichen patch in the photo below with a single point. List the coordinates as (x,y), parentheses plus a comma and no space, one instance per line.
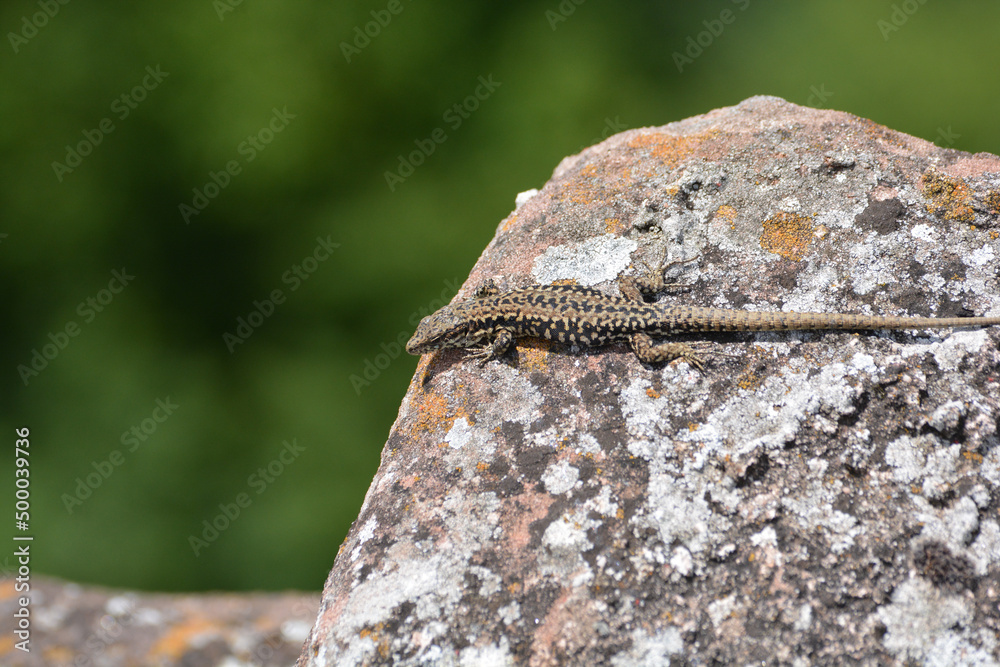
(593,261)
(811,498)
(924,624)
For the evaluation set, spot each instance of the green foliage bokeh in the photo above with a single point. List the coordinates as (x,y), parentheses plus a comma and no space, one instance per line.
(562,76)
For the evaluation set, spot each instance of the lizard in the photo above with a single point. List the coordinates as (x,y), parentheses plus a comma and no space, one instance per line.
(489,322)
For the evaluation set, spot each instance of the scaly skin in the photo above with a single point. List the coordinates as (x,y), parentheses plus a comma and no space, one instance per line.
(490,322)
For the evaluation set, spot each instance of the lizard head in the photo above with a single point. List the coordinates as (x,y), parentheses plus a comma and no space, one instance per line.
(448,327)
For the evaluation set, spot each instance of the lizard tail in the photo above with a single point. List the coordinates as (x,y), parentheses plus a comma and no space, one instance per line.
(693,318)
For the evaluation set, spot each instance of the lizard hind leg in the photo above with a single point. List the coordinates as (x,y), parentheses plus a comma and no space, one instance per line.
(655,353)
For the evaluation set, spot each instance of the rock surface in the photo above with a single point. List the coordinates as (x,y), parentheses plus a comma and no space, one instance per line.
(813,499)
(87,626)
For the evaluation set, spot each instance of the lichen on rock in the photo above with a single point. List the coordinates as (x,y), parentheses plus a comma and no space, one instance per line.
(813,497)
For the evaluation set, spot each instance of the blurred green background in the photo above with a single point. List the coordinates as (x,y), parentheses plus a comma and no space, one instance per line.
(188,90)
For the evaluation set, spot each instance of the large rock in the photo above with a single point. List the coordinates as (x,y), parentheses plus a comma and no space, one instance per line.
(814,498)
(71,625)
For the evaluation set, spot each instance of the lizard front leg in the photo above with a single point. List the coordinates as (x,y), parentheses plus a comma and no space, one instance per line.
(653,353)
(488,288)
(500,343)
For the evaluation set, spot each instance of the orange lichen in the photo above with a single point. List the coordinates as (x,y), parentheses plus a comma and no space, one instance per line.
(615,226)
(588,186)
(377,636)
(177,641)
(432,413)
(788,235)
(949,197)
(992,201)
(727,214)
(750,380)
(533,354)
(668,148)
(882,133)
(57,655)
(508,223)
(603,180)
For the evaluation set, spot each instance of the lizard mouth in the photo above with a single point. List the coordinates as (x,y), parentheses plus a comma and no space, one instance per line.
(419,344)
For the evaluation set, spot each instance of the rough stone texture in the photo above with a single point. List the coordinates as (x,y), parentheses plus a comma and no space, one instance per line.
(86,626)
(814,499)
